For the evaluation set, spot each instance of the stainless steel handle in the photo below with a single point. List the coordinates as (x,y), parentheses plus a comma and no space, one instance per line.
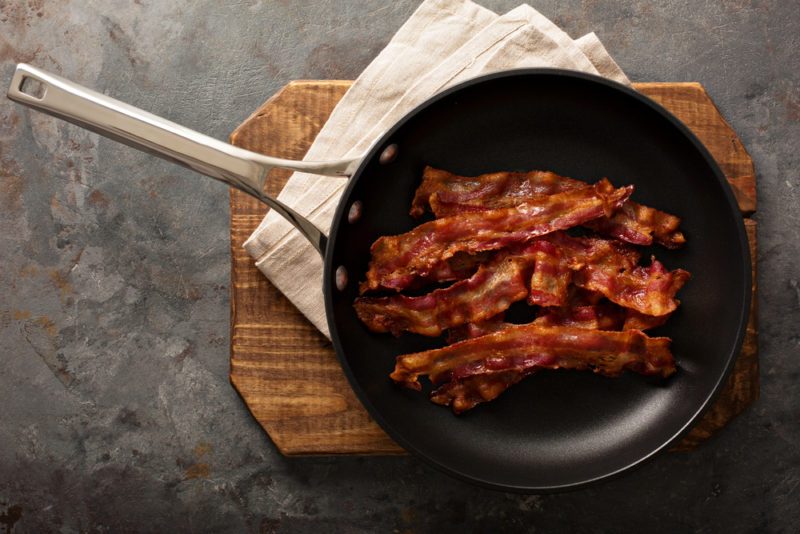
(237,167)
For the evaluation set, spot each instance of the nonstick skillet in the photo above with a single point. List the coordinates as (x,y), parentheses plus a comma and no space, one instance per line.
(555,430)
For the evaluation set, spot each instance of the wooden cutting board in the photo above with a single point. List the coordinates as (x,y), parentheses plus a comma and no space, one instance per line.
(287,372)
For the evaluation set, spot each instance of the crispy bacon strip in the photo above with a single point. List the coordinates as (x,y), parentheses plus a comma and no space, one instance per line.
(459,267)
(534,346)
(453,193)
(578,252)
(597,316)
(610,268)
(601,266)
(555,256)
(465,394)
(551,274)
(398,260)
(496,285)
(477,329)
(491,290)
(558,255)
(605,316)
(584,310)
(478,370)
(648,290)
(640,225)
(639,321)
(447,194)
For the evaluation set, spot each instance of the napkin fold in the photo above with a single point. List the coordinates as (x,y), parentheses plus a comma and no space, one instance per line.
(442,44)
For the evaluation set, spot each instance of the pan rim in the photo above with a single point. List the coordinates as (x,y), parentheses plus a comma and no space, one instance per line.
(745,266)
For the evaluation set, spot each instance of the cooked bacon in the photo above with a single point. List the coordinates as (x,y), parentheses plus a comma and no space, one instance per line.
(459,267)
(610,268)
(453,193)
(639,321)
(640,225)
(598,316)
(398,260)
(588,313)
(605,316)
(582,251)
(584,310)
(478,370)
(534,346)
(477,329)
(558,255)
(551,274)
(447,194)
(555,256)
(604,267)
(499,237)
(648,290)
(491,290)
(465,394)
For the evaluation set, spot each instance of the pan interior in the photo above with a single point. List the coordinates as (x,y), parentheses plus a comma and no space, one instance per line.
(558,428)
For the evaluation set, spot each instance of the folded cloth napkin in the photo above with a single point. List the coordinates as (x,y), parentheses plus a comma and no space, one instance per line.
(443,43)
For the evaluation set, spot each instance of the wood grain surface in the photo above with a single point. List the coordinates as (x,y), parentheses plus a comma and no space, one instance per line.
(287,372)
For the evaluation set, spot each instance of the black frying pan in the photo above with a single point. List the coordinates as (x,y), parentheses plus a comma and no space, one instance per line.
(555,430)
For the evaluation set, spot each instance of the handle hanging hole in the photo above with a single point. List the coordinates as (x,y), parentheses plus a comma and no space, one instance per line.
(32,87)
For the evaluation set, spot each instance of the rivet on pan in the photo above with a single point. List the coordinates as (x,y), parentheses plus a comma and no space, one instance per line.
(341,278)
(388,154)
(355,212)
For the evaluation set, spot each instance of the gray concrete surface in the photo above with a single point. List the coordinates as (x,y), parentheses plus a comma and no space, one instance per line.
(115,409)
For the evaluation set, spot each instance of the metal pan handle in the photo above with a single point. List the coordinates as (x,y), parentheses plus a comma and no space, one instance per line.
(237,167)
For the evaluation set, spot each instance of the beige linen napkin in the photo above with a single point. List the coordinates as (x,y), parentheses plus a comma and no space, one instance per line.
(443,43)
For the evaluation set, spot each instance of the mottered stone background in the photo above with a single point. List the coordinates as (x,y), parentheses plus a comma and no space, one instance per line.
(116,413)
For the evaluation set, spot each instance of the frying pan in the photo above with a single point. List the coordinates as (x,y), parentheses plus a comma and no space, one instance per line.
(556,430)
